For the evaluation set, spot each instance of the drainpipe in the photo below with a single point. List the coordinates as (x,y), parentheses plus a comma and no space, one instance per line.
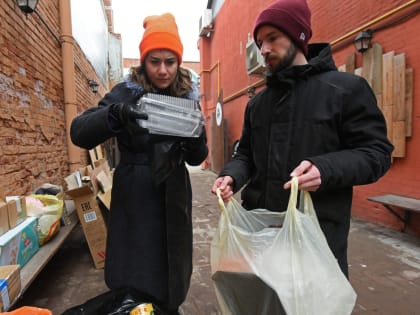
(69,86)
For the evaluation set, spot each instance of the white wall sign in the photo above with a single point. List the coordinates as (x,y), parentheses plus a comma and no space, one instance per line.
(219,114)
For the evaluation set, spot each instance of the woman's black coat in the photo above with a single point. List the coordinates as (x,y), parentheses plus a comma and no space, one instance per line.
(149,243)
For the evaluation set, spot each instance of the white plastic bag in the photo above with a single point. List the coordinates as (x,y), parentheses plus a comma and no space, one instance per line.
(287,252)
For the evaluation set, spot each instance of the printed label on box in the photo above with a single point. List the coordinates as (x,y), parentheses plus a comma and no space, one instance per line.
(90,216)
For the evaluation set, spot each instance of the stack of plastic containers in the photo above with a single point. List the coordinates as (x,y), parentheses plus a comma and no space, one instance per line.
(173,116)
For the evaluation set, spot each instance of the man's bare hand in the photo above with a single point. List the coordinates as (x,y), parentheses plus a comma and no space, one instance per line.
(225,184)
(308,175)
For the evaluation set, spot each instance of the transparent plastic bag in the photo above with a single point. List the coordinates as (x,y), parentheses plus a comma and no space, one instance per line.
(286,251)
(240,238)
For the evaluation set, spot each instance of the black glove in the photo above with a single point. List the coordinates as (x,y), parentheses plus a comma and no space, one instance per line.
(193,144)
(127,115)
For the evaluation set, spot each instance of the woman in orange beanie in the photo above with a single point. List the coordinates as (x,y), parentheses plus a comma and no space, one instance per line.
(149,243)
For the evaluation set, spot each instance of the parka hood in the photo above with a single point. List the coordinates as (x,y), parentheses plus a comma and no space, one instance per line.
(320,57)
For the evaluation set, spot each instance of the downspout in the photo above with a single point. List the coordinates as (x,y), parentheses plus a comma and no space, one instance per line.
(69,86)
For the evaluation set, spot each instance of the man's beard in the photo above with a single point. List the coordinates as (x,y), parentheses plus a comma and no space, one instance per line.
(287,60)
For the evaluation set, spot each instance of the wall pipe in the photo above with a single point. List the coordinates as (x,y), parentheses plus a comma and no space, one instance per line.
(69,86)
(243,91)
(374,21)
(217,64)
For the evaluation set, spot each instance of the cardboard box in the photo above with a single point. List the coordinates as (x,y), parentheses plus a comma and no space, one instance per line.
(10,285)
(16,208)
(92,221)
(20,243)
(4,216)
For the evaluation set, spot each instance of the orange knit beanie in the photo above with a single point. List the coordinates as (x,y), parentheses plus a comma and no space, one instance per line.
(160,32)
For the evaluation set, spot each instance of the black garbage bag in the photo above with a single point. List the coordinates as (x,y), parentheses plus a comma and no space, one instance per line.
(245,293)
(115,302)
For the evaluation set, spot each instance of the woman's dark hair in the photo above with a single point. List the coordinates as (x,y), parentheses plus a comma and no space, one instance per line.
(180,87)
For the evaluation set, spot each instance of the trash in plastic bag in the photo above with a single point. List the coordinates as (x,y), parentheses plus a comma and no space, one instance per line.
(285,251)
(246,293)
(117,302)
(48,209)
(48,189)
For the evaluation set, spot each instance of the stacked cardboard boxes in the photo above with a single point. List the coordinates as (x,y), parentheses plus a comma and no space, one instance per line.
(18,237)
(19,244)
(92,221)
(12,211)
(16,210)
(90,189)
(4,217)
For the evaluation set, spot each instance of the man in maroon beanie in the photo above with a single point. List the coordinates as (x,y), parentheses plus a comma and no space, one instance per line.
(311,122)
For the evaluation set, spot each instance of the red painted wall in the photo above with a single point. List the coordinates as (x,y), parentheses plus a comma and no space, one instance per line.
(223,76)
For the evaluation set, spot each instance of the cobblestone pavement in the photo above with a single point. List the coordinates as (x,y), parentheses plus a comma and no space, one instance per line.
(384,266)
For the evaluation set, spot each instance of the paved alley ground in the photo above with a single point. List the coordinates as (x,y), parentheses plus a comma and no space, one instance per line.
(384,266)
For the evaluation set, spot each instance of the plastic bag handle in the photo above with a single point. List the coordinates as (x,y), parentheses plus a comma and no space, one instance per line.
(220,199)
(305,198)
(306,203)
(293,193)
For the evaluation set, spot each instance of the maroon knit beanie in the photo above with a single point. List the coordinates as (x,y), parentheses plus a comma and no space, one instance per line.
(292,17)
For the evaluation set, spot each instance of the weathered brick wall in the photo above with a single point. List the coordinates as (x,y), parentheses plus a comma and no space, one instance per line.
(33,144)
(32,134)
(331,22)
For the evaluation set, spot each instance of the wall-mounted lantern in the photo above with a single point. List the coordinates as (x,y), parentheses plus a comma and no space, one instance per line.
(93,86)
(27,6)
(362,41)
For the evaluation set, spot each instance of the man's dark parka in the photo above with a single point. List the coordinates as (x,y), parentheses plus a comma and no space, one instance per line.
(312,112)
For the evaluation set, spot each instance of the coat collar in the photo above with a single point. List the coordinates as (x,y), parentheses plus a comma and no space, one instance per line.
(320,60)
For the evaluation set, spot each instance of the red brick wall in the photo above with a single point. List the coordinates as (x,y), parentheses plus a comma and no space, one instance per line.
(32,137)
(223,60)
(33,145)
(329,23)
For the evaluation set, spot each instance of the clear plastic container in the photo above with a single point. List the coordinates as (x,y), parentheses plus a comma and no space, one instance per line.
(173,116)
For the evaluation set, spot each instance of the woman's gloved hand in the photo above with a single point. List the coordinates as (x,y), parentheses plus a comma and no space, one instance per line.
(127,114)
(193,144)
